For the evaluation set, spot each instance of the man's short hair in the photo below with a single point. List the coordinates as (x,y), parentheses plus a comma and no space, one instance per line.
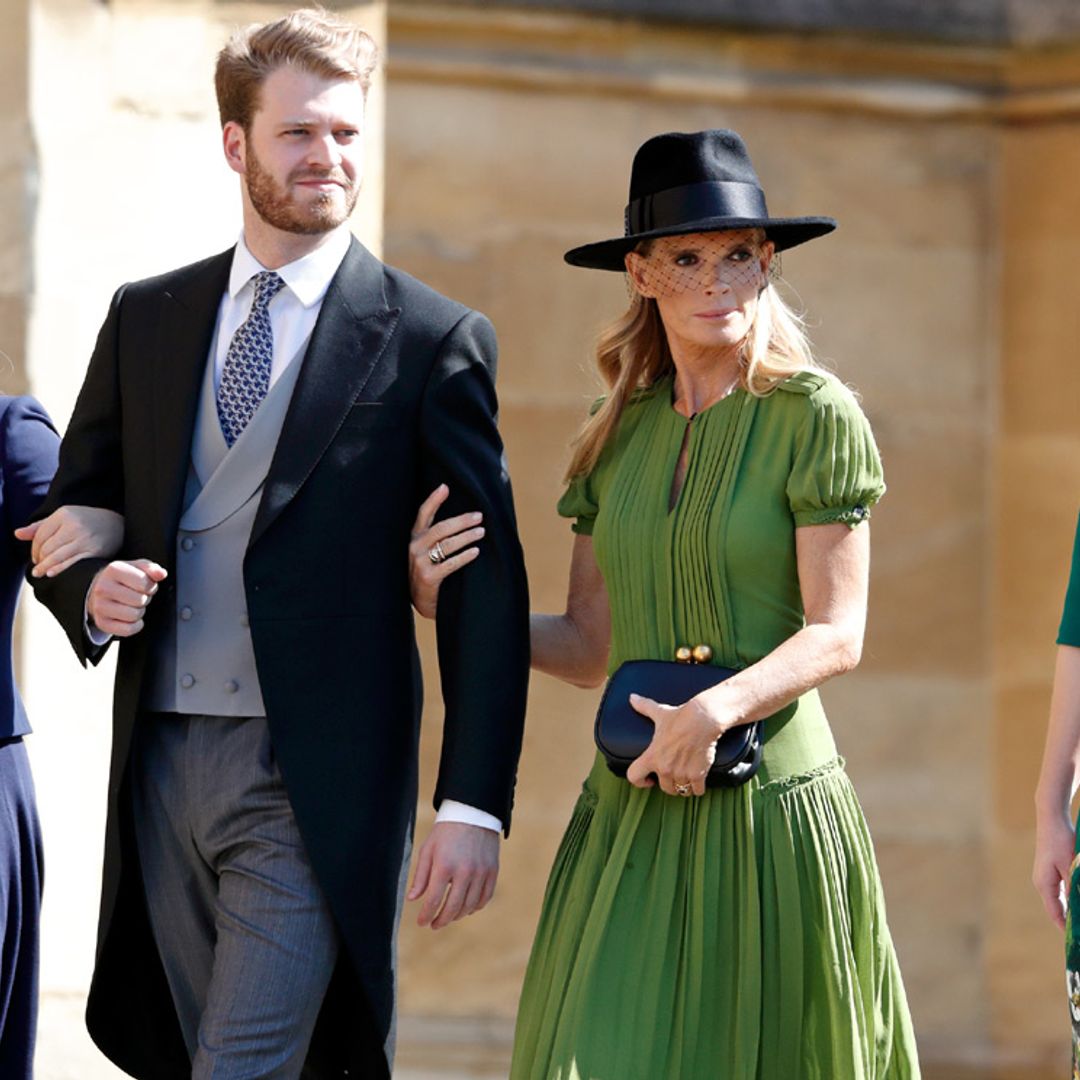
(310,39)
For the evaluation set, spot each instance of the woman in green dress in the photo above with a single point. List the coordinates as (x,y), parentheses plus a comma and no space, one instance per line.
(720,496)
(1057,847)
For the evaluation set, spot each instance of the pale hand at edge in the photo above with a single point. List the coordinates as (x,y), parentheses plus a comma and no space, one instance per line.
(69,534)
(1055,842)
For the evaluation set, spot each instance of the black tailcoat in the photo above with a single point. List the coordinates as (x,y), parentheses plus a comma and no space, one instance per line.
(396,395)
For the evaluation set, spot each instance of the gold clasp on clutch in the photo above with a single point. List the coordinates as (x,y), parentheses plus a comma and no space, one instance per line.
(699,654)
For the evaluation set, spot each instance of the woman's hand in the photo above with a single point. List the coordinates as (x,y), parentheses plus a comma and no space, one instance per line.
(70,534)
(450,538)
(1054,834)
(683,746)
(1055,841)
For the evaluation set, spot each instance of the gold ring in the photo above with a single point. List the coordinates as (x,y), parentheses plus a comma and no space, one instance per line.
(682,789)
(436,554)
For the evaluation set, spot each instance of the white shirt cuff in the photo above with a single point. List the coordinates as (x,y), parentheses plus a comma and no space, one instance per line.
(463,814)
(93,634)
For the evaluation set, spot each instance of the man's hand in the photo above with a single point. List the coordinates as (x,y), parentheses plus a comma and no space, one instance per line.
(457,867)
(120,593)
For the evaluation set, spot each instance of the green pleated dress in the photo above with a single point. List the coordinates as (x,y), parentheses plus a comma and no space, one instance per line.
(740,935)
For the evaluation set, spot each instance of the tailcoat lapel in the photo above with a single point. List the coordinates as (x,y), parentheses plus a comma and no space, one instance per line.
(189,314)
(352,331)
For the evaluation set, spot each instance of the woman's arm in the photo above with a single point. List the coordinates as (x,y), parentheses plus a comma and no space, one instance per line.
(572,646)
(834,568)
(1055,836)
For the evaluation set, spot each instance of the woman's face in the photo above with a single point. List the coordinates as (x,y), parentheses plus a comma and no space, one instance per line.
(706,285)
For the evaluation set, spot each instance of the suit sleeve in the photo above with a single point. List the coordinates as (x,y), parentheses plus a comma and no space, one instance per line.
(90,473)
(482,620)
(28,451)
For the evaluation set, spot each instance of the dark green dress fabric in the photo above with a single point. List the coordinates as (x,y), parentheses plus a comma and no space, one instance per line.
(1069,632)
(740,935)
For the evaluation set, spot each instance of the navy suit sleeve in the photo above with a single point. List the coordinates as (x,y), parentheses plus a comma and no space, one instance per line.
(482,618)
(90,473)
(29,445)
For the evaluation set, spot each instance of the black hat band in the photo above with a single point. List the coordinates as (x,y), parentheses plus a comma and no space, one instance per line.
(680,206)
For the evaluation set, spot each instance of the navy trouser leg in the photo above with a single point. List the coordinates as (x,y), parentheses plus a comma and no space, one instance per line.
(21,871)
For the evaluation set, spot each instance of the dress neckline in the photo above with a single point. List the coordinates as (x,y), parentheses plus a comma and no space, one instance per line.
(669,403)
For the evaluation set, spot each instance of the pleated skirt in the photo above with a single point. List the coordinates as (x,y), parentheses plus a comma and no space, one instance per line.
(737,936)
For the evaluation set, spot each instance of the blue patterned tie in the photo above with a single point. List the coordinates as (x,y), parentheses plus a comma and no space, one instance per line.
(245,375)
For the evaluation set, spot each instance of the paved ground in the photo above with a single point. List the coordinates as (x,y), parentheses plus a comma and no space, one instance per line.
(64,1050)
(429,1050)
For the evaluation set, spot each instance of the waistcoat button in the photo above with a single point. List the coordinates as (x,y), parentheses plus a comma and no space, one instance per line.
(187,543)
(187,681)
(186,613)
(231,686)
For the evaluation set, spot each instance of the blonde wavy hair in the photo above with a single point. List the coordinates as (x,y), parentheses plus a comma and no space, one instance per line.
(633,353)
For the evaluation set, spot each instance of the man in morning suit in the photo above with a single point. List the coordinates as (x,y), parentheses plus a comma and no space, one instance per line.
(266,422)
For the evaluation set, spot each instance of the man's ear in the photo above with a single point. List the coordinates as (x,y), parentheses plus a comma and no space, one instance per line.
(234,143)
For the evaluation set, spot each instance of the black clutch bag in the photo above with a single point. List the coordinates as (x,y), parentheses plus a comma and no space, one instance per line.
(622,734)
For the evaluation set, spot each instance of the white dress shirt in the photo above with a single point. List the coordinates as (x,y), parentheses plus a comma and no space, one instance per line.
(293,312)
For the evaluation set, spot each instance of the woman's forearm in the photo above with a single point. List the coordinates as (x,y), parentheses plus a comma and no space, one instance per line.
(834,568)
(563,648)
(804,661)
(1060,766)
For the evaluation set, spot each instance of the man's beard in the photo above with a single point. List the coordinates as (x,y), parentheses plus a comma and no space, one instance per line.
(276,207)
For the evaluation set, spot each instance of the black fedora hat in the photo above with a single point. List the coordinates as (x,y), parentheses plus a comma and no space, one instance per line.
(697,182)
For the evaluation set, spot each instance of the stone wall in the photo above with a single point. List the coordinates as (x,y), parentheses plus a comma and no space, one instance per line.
(1003,22)
(944,298)
(1036,468)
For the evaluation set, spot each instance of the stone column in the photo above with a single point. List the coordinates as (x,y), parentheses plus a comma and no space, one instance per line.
(18,192)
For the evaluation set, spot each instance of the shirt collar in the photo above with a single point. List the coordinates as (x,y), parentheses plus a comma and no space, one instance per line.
(308,277)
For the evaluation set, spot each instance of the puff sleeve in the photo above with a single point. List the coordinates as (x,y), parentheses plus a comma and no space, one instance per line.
(1069,633)
(579,502)
(836,470)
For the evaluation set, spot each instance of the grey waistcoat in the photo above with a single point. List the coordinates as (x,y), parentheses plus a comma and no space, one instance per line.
(205,663)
